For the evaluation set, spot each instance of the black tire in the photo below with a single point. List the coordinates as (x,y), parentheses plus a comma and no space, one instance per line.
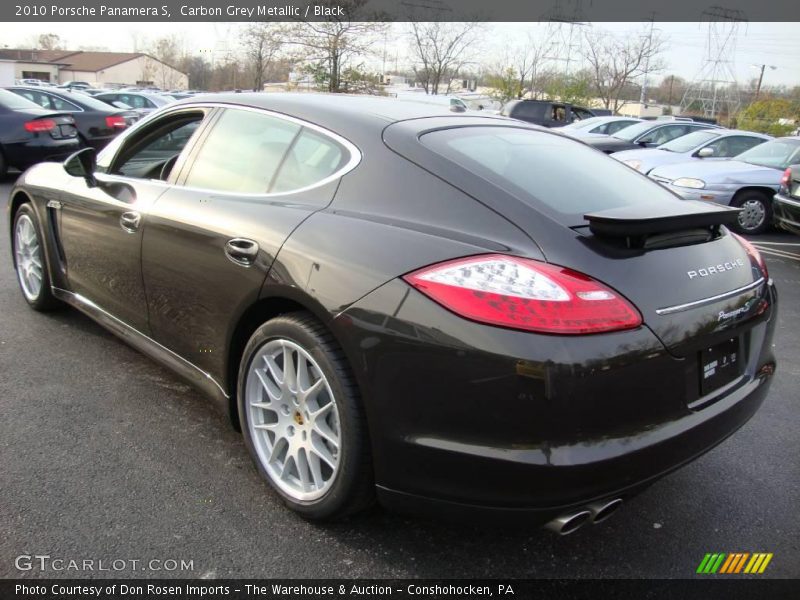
(352,489)
(44,301)
(749,200)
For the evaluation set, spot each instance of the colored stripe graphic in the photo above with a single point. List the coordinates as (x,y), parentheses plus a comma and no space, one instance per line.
(722,563)
(732,558)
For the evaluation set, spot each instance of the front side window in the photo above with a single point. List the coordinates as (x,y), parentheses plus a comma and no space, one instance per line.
(152,153)
(242,153)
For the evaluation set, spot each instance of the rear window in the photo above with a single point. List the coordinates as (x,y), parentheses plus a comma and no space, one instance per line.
(547,171)
(12,101)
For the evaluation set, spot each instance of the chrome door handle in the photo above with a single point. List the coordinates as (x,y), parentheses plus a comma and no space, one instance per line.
(241,251)
(130,221)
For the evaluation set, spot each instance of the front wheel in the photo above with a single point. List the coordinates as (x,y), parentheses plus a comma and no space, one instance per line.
(302,418)
(756,214)
(34,281)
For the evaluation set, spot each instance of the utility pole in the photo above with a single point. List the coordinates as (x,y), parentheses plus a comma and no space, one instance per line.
(761,77)
(643,96)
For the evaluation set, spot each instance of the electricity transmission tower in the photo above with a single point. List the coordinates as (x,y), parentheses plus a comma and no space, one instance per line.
(714,90)
(565,19)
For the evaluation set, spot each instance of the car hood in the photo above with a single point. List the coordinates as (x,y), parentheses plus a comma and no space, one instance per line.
(723,171)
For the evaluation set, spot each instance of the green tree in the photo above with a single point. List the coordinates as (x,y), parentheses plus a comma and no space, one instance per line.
(764,115)
(505,85)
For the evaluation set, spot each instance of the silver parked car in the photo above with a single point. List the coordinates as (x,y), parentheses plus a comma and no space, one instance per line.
(748,181)
(597,126)
(709,144)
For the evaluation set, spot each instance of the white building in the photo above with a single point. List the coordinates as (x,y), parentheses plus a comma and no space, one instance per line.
(97,68)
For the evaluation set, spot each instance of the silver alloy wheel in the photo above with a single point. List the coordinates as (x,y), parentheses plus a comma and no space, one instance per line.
(28,252)
(293,420)
(752,215)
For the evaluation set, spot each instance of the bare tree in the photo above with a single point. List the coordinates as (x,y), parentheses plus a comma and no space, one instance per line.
(615,62)
(331,45)
(49,41)
(529,62)
(440,50)
(167,52)
(262,43)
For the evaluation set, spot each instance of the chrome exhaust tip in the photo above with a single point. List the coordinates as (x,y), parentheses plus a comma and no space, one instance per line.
(602,510)
(566,524)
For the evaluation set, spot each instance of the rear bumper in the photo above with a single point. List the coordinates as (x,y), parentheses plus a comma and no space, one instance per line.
(467,419)
(22,155)
(586,472)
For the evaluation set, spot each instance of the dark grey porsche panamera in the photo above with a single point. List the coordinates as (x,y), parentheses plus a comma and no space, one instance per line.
(437,310)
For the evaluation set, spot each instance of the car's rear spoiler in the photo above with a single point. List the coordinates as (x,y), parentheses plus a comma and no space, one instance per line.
(650,225)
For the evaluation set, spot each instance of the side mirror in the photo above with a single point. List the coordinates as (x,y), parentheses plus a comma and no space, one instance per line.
(705,152)
(83,164)
(646,140)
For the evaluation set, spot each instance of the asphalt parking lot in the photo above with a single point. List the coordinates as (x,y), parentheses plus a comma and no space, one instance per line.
(106,455)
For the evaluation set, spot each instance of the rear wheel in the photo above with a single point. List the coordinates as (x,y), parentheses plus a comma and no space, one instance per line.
(756,214)
(302,420)
(34,281)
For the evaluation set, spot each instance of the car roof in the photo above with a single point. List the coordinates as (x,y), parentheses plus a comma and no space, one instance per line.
(338,112)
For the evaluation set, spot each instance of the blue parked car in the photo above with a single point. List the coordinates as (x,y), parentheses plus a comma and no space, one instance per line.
(748,181)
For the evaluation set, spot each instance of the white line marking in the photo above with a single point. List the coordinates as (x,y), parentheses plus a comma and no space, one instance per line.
(777,243)
(780,254)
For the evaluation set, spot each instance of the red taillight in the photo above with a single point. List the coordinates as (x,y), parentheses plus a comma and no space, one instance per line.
(526,294)
(116,122)
(787,177)
(40,125)
(754,253)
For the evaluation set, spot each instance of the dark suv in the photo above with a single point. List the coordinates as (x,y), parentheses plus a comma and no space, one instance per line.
(545,112)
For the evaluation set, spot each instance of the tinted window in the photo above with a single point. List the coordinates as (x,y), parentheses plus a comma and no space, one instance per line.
(152,153)
(57,103)
(539,169)
(13,101)
(242,153)
(311,159)
(778,154)
(734,145)
(689,142)
(615,126)
(631,132)
(664,134)
(530,110)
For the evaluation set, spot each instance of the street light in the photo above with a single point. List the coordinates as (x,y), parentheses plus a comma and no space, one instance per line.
(761,76)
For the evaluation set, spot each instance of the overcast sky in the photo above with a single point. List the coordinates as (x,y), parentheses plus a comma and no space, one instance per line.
(774,44)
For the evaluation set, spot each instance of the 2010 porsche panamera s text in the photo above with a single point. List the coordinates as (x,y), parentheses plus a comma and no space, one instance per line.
(436,309)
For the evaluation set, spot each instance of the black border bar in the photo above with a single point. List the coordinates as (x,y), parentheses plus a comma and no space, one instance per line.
(710,588)
(397,10)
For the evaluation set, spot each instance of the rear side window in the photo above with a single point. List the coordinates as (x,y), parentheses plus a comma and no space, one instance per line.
(549,172)
(242,153)
(530,110)
(311,159)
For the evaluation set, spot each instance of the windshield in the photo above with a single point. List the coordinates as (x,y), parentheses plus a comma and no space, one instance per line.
(13,102)
(631,132)
(539,169)
(688,142)
(584,123)
(778,154)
